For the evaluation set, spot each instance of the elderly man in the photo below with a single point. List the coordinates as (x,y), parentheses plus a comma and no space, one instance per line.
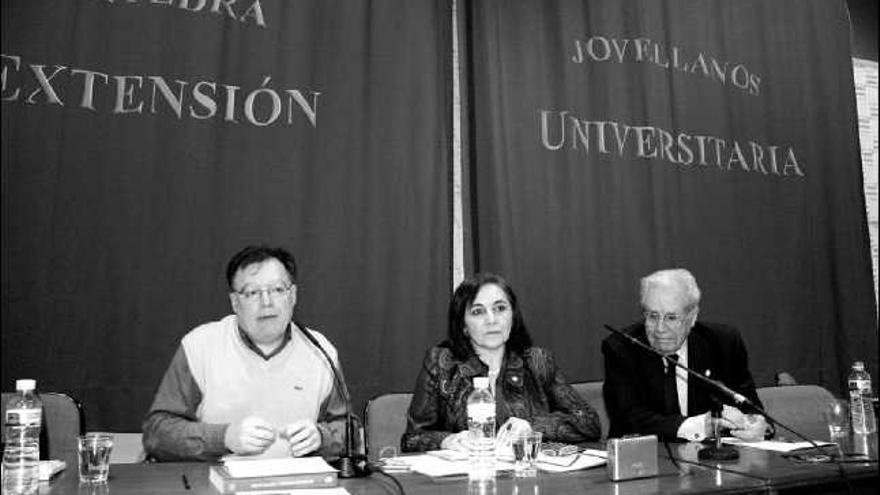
(251,383)
(643,397)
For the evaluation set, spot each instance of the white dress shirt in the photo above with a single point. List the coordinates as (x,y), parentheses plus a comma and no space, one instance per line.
(693,428)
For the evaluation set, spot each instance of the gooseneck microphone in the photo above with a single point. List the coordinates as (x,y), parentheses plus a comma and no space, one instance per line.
(718,386)
(350,465)
(715,384)
(741,399)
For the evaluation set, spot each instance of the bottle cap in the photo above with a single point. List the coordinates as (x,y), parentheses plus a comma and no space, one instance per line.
(25,384)
(481,382)
(859,365)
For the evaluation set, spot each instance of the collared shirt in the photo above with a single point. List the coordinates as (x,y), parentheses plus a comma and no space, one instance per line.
(693,429)
(633,388)
(175,428)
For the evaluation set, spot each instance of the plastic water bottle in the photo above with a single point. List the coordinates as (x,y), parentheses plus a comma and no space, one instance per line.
(861,403)
(21,453)
(481,425)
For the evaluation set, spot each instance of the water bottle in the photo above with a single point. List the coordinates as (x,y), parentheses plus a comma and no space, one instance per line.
(861,405)
(481,426)
(21,453)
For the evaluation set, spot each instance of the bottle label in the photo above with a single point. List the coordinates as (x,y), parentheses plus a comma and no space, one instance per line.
(24,417)
(859,386)
(481,412)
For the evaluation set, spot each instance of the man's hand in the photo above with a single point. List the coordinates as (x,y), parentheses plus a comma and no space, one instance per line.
(734,418)
(302,436)
(753,429)
(460,441)
(731,418)
(749,427)
(252,435)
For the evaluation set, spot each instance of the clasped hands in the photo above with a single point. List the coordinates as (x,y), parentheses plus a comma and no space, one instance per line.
(748,427)
(461,441)
(253,435)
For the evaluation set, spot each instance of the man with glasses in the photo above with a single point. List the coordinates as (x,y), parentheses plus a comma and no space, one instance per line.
(251,383)
(645,395)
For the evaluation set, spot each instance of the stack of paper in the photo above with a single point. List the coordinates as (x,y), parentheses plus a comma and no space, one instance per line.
(773,445)
(586,459)
(51,468)
(247,468)
(435,465)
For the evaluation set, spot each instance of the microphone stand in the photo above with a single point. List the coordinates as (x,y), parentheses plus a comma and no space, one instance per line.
(717,451)
(718,386)
(350,465)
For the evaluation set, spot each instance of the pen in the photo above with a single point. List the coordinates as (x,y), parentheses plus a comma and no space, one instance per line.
(185,482)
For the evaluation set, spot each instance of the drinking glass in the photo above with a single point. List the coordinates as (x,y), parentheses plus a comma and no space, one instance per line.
(837,417)
(525,453)
(94,457)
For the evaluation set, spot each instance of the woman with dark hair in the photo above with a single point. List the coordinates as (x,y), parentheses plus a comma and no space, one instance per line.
(488,337)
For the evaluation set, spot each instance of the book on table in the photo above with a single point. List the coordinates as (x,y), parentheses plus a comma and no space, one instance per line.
(272,474)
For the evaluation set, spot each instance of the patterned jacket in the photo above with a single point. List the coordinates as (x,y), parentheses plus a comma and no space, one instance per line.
(529,387)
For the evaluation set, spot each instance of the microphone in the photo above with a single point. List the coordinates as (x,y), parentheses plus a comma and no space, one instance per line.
(350,465)
(720,387)
(737,397)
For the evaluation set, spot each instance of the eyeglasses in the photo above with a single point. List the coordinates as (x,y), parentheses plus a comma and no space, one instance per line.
(275,292)
(655,318)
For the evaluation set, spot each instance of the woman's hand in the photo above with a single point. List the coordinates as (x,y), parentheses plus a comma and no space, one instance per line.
(460,441)
(509,430)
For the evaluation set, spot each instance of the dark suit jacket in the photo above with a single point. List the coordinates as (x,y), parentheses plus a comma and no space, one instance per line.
(633,387)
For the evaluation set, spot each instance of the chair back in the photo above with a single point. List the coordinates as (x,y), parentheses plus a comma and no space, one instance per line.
(385,422)
(63,421)
(797,406)
(128,448)
(800,407)
(592,393)
(385,416)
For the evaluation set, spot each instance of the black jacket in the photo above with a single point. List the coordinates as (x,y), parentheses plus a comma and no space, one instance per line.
(529,387)
(633,387)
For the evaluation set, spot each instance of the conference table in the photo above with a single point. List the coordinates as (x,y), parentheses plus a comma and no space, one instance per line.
(680,471)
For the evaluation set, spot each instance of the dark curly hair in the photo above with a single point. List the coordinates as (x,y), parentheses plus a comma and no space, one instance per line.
(463,298)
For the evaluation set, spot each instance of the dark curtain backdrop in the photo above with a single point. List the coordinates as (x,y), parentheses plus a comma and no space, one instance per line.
(586,171)
(145,142)
(142,147)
